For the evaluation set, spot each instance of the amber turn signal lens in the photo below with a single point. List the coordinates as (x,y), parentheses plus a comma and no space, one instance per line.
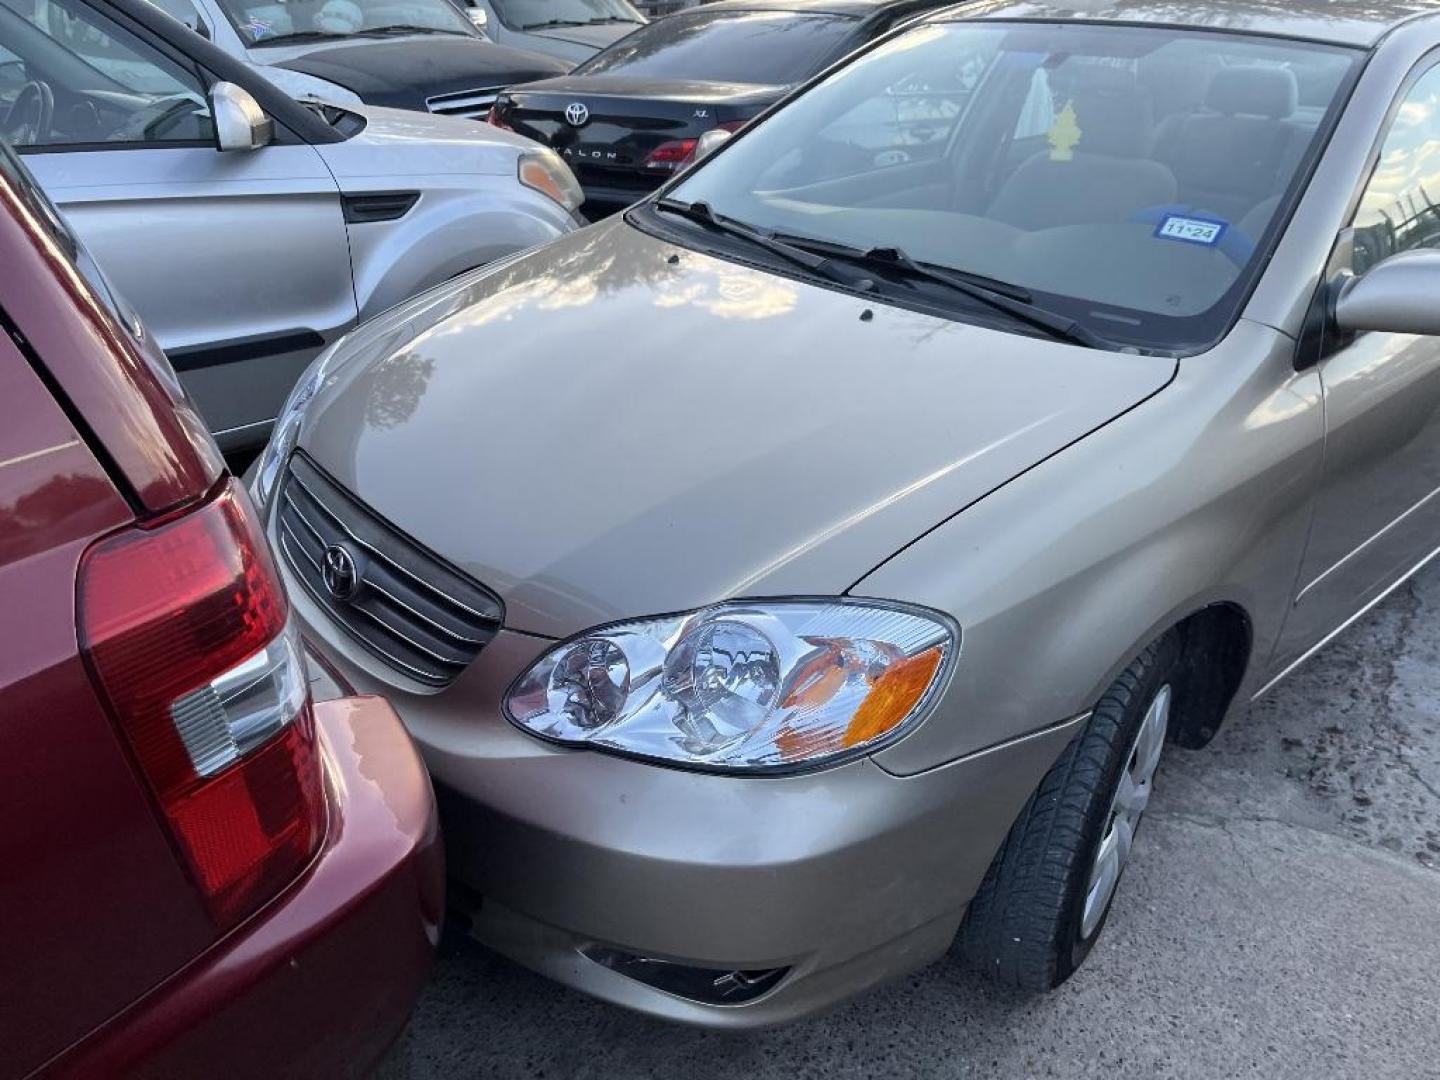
(535,175)
(895,696)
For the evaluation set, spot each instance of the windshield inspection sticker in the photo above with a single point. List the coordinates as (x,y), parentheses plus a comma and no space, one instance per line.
(1192,230)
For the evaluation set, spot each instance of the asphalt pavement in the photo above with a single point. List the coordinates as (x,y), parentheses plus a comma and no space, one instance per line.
(1280,918)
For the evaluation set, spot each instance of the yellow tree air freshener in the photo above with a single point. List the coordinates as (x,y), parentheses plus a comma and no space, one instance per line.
(1065,134)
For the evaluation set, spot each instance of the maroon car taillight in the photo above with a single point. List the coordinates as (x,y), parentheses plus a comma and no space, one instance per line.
(186,629)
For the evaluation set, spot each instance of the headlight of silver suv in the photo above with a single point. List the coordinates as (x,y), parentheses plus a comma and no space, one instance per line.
(543,170)
(768,686)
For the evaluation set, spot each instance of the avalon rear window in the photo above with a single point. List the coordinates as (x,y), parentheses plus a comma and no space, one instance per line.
(764,47)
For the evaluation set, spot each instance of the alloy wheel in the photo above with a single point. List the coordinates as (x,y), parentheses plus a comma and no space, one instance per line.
(1132,795)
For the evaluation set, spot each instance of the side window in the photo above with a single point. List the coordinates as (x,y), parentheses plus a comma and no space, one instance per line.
(1398,211)
(79,79)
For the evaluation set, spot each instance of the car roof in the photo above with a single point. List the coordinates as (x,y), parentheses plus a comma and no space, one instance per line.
(858,8)
(1344,22)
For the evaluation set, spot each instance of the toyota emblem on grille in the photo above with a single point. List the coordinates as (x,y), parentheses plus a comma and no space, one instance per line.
(339,572)
(576,113)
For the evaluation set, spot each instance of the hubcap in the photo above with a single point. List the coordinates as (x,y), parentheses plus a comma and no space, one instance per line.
(1131,797)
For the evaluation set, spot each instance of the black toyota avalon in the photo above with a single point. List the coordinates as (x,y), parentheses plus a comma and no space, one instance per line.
(632,115)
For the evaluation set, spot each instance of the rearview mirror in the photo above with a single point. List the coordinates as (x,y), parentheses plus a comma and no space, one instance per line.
(240,122)
(711,141)
(1399,296)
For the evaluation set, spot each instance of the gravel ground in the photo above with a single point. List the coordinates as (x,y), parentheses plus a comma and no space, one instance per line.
(1280,918)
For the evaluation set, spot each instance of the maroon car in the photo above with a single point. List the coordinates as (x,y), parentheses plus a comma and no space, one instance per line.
(205,874)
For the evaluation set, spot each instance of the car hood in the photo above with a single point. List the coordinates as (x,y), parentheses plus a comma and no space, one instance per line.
(402,143)
(403,72)
(631,86)
(594,37)
(598,433)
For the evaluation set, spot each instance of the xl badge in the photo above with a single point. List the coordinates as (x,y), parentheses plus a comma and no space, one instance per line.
(576,113)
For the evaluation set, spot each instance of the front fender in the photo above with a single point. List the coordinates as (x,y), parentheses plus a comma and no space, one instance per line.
(1200,495)
(447,232)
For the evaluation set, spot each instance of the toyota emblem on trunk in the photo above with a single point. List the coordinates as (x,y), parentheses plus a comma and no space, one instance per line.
(576,113)
(338,571)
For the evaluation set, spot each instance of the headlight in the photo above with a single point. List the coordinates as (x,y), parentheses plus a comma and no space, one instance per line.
(764,686)
(543,170)
(385,333)
(287,430)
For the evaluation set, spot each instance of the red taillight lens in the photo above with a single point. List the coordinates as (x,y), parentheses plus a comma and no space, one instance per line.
(493,118)
(186,629)
(668,156)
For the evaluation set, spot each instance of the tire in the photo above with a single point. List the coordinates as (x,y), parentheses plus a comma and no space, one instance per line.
(1029,925)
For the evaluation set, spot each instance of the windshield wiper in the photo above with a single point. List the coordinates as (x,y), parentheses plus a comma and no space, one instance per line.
(603,19)
(1001,295)
(555,22)
(407,28)
(701,212)
(297,35)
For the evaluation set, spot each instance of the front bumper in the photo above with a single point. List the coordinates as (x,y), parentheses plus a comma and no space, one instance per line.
(320,981)
(845,877)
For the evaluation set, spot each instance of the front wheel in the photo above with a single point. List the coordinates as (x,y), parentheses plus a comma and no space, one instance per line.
(1046,896)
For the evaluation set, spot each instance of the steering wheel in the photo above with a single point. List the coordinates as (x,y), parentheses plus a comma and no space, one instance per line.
(28,121)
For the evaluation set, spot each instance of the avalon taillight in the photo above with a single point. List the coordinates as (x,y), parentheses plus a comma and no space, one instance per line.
(186,629)
(669,156)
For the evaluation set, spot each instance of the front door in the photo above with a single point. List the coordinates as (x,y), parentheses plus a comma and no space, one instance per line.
(1378,511)
(237,261)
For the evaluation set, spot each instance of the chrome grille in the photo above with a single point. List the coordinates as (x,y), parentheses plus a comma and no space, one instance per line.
(407,606)
(472,104)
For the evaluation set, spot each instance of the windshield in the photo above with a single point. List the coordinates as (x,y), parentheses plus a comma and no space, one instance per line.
(1126,178)
(268,22)
(753,47)
(534,14)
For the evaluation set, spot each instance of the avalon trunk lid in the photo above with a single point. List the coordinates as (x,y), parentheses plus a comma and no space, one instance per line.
(599,432)
(608,126)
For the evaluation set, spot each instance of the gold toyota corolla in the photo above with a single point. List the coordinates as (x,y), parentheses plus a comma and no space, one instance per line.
(814,562)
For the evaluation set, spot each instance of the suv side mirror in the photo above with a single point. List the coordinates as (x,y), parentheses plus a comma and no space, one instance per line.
(1399,296)
(240,122)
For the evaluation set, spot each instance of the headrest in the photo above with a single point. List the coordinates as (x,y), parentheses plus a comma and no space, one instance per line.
(1254,91)
(1114,121)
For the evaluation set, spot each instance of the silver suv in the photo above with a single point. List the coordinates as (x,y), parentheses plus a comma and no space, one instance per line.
(248,230)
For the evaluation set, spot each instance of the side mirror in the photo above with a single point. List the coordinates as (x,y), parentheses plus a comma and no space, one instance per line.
(1399,296)
(481,18)
(711,141)
(240,122)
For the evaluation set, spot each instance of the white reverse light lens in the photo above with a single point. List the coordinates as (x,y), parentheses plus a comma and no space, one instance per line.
(765,686)
(235,712)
